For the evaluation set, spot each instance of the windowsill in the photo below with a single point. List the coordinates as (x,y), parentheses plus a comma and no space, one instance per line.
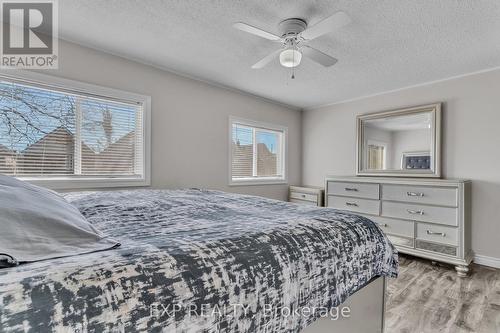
(66,183)
(258,181)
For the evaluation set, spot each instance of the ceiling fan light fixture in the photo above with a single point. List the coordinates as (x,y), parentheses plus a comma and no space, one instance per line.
(290,57)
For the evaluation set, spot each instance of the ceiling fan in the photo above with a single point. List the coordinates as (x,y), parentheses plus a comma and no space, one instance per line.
(294,37)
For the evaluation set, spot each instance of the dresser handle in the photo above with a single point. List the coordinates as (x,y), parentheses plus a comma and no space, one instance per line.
(436,233)
(351,189)
(416,212)
(351,204)
(383,225)
(303,195)
(414,194)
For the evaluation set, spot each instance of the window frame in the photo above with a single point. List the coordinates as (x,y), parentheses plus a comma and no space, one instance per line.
(77,87)
(284,152)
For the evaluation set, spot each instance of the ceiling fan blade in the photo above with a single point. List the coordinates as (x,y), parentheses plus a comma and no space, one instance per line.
(264,61)
(330,24)
(255,31)
(318,56)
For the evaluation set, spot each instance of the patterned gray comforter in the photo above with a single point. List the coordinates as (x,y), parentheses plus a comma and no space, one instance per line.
(197,261)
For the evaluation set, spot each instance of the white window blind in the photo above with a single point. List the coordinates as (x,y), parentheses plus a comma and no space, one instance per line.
(257,152)
(49,132)
(376,157)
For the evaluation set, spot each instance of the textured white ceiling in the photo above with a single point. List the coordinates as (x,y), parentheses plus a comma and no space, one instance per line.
(389,44)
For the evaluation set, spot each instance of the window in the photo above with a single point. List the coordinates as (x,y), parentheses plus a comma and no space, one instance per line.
(257,153)
(72,138)
(377,152)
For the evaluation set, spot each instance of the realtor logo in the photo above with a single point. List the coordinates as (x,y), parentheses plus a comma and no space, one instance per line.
(29,34)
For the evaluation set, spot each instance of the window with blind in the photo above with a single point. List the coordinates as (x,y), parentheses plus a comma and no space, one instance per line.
(257,152)
(49,133)
(376,155)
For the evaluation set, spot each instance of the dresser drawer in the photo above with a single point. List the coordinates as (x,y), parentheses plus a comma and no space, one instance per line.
(304,202)
(358,190)
(437,233)
(442,196)
(394,226)
(304,196)
(438,248)
(356,205)
(401,241)
(434,214)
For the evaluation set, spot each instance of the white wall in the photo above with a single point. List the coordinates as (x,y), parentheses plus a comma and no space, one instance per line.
(409,141)
(471,142)
(189,120)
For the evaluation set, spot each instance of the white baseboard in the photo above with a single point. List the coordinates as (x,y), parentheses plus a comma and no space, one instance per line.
(487,261)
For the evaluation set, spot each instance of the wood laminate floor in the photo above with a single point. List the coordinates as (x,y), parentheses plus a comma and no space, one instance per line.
(431,298)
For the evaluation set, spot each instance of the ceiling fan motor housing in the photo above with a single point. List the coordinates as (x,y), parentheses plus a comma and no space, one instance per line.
(292,27)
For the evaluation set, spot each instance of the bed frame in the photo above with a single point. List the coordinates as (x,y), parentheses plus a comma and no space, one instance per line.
(366,312)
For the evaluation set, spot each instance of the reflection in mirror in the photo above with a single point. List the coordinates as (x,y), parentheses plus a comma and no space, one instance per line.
(400,143)
(397,143)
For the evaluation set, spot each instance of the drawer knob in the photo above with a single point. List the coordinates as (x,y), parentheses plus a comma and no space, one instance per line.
(351,204)
(384,225)
(303,195)
(436,233)
(414,194)
(351,189)
(415,212)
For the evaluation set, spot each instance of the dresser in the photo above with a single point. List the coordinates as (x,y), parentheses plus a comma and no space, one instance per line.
(306,195)
(428,218)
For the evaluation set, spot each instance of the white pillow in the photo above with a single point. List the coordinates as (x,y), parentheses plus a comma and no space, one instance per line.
(37,224)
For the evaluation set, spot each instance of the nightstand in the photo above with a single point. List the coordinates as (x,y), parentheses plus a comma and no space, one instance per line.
(307,195)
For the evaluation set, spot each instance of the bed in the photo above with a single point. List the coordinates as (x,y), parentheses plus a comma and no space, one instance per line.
(198,261)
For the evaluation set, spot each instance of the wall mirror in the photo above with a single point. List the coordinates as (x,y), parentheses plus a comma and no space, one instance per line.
(400,143)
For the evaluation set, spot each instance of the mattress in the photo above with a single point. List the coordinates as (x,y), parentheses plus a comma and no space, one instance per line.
(198,261)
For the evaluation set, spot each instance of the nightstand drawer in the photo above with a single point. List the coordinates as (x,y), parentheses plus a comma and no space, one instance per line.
(304,196)
(441,196)
(358,190)
(364,206)
(304,202)
(437,233)
(424,213)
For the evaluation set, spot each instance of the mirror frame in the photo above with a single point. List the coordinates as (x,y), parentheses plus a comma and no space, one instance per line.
(434,172)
